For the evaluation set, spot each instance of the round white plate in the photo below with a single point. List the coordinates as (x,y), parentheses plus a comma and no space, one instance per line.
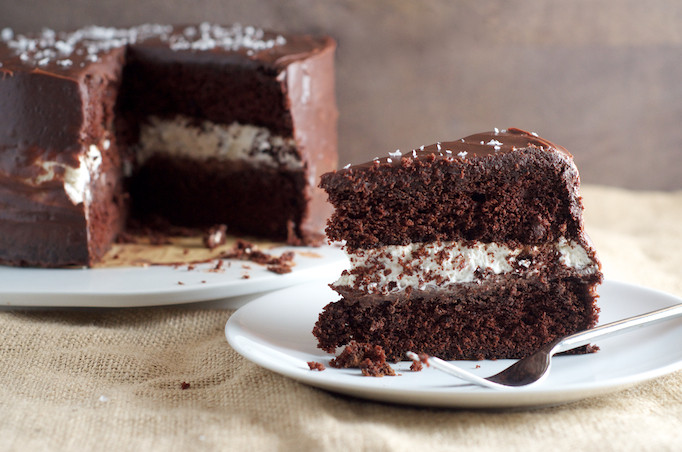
(162,284)
(275,332)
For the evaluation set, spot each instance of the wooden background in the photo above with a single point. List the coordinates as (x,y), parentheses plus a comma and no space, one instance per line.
(603,78)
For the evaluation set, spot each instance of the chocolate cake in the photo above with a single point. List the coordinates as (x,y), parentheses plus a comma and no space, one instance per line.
(470,249)
(191,126)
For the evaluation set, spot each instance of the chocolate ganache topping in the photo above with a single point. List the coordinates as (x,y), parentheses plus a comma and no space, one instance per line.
(495,142)
(67,52)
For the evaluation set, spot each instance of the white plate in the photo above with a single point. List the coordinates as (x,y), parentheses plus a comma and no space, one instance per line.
(162,284)
(275,332)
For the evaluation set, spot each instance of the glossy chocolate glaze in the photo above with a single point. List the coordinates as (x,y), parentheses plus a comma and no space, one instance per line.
(496,142)
(50,86)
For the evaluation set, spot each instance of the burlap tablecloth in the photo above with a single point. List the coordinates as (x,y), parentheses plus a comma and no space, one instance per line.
(112,379)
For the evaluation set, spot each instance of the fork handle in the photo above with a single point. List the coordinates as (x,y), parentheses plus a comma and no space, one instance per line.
(615,328)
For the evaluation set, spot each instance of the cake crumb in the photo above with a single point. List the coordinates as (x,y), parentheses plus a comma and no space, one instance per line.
(370,359)
(314,365)
(280,269)
(418,364)
(246,251)
(184,385)
(216,236)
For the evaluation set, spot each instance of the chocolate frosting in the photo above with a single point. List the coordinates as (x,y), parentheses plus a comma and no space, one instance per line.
(66,54)
(496,142)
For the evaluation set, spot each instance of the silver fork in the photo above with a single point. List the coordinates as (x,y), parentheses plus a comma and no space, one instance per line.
(534,368)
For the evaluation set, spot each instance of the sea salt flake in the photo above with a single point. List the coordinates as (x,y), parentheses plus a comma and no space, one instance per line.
(389,160)
(534,134)
(6,34)
(347,166)
(494,143)
(496,130)
(396,154)
(462,154)
(63,47)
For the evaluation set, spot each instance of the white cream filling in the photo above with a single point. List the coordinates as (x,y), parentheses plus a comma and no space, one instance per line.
(76,180)
(434,265)
(183,137)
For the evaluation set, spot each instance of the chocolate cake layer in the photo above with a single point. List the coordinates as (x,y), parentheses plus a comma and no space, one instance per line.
(464,191)
(72,104)
(504,318)
(169,188)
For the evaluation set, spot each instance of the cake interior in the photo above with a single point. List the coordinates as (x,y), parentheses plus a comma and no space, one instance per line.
(530,203)
(504,319)
(208,143)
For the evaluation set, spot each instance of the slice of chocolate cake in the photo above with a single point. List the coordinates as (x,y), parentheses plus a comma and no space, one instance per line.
(195,125)
(471,249)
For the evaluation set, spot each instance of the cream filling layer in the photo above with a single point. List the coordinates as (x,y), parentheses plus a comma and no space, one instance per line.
(183,137)
(426,266)
(76,180)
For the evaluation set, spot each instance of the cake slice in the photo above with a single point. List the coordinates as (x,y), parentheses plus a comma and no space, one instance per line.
(470,249)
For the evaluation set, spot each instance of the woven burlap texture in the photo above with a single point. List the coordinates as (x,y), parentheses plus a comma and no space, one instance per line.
(113,379)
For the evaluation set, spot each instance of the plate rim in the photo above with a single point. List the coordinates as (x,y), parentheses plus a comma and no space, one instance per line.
(475,398)
(332,260)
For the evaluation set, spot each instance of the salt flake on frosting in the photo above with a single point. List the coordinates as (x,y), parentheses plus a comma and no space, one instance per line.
(6,34)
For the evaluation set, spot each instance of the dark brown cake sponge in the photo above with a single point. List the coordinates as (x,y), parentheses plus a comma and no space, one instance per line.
(529,196)
(507,319)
